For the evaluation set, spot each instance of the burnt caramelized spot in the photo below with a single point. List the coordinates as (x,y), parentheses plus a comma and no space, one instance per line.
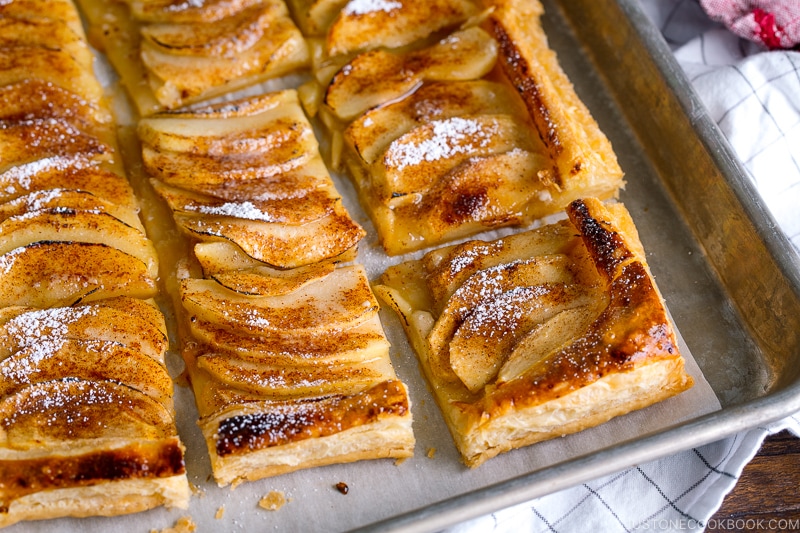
(606,245)
(144,460)
(299,420)
(468,205)
(518,72)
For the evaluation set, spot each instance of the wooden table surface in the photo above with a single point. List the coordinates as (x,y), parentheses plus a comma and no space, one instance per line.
(767,496)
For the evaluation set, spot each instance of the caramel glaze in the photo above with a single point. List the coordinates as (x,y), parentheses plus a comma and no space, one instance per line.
(633,327)
(319,417)
(145,459)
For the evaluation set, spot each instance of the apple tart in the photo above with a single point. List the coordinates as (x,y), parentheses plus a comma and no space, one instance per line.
(247,176)
(169,53)
(539,334)
(291,370)
(451,116)
(86,411)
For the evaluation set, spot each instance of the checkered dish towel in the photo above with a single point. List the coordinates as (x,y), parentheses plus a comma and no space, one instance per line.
(754,96)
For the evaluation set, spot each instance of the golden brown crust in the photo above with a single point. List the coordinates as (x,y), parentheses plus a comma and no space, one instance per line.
(604,352)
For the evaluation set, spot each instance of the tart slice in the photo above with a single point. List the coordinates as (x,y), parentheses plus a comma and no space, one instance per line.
(539,334)
(169,54)
(452,117)
(291,375)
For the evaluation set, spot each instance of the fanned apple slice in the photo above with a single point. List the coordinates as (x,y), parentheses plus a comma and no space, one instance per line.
(45,414)
(372,132)
(36,98)
(128,321)
(208,11)
(55,359)
(315,16)
(548,337)
(59,10)
(448,268)
(483,286)
(280,245)
(413,162)
(67,199)
(71,225)
(16,30)
(266,281)
(293,211)
(177,79)
(346,346)
(363,25)
(76,172)
(378,77)
(341,300)
(30,140)
(486,337)
(296,381)
(49,274)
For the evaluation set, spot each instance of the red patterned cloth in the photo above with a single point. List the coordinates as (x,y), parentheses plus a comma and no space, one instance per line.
(774,23)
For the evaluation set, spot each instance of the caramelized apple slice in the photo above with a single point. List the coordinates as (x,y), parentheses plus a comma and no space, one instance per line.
(371,133)
(362,342)
(558,332)
(297,380)
(48,413)
(266,281)
(339,301)
(483,341)
(66,199)
(448,268)
(50,274)
(293,211)
(60,10)
(76,173)
(483,286)
(207,11)
(378,77)
(363,25)
(414,161)
(16,31)
(315,16)
(55,359)
(71,225)
(128,321)
(280,245)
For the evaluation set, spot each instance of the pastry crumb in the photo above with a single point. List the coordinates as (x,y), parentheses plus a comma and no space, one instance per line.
(400,460)
(272,501)
(220,512)
(184,524)
(431,453)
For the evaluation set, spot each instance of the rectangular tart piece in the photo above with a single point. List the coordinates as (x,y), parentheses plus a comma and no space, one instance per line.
(452,116)
(86,411)
(170,53)
(291,371)
(539,334)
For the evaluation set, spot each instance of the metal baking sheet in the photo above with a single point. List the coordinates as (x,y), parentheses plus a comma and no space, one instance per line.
(730,278)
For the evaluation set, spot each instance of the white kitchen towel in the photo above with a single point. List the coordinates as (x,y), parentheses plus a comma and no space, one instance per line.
(754,96)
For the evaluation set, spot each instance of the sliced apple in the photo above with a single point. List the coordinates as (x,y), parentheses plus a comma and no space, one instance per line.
(128,321)
(293,211)
(41,31)
(315,16)
(50,274)
(266,281)
(296,380)
(71,225)
(56,411)
(35,139)
(558,332)
(59,10)
(371,133)
(483,341)
(280,245)
(483,286)
(363,26)
(362,342)
(208,11)
(51,360)
(341,300)
(67,199)
(448,268)
(416,161)
(66,172)
(378,77)
(179,78)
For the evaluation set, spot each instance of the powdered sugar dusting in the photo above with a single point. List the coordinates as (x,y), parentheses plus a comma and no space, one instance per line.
(245,210)
(450,137)
(363,7)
